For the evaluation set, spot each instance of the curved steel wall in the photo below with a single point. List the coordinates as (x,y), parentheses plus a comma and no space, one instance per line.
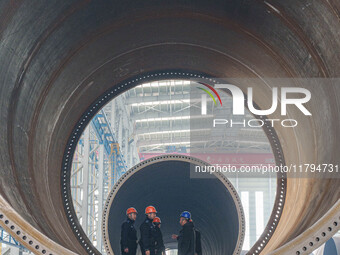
(57,58)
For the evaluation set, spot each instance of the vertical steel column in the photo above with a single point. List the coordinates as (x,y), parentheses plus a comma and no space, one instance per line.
(113,114)
(126,142)
(120,143)
(111,174)
(100,183)
(85,182)
(252,217)
(120,128)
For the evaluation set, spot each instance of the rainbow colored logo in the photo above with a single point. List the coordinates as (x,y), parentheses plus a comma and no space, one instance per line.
(209,93)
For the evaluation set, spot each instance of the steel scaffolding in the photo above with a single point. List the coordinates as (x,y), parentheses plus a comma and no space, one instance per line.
(98,163)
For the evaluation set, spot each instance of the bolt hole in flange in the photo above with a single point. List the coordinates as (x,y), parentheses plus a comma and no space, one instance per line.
(129,143)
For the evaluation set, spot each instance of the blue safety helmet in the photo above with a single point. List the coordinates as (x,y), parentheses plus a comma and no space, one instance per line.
(186,215)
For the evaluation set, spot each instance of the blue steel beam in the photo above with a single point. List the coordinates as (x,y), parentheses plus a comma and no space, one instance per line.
(6,238)
(106,136)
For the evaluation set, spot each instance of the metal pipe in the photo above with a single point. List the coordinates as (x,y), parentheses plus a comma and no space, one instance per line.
(57,59)
(166,182)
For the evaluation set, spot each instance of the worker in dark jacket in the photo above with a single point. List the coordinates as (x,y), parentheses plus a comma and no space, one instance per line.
(159,246)
(147,238)
(128,241)
(186,237)
(198,245)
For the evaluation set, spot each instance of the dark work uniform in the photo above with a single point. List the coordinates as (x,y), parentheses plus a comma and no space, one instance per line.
(186,240)
(147,237)
(198,245)
(128,237)
(159,244)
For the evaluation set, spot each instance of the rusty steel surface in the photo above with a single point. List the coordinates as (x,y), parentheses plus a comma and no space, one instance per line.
(28,236)
(58,57)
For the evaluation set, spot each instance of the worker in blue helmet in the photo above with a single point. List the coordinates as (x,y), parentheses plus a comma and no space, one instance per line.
(187,238)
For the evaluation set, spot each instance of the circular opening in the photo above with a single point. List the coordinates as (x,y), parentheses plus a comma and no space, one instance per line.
(166,183)
(147,120)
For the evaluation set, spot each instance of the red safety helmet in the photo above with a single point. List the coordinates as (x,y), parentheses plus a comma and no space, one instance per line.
(150,209)
(131,210)
(157,220)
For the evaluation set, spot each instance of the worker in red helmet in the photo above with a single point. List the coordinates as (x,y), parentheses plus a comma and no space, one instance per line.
(147,239)
(159,246)
(128,241)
